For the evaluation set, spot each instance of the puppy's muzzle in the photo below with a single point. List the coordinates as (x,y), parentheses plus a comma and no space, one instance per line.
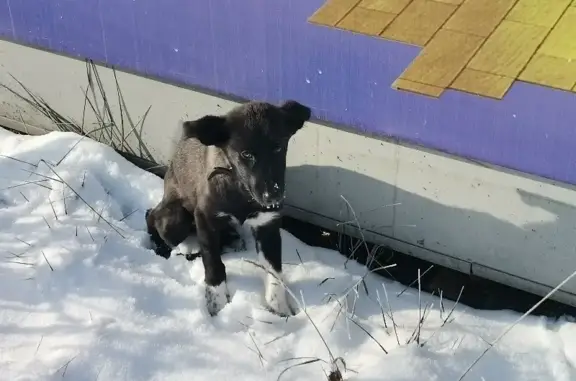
(273,198)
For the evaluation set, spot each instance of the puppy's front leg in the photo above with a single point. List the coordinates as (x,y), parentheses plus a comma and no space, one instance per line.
(217,294)
(266,230)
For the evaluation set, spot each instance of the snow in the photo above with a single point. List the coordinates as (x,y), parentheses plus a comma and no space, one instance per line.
(83,297)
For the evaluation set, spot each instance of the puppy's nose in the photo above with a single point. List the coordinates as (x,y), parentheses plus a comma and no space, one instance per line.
(272,197)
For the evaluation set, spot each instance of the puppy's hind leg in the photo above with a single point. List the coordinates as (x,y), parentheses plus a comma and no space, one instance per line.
(160,247)
(169,223)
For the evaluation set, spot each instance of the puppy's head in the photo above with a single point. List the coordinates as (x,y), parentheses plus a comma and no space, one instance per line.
(254,137)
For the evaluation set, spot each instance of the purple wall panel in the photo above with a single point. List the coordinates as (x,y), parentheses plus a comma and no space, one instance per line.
(265,49)
(6,26)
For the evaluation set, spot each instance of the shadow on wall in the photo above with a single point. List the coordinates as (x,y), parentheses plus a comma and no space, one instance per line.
(541,249)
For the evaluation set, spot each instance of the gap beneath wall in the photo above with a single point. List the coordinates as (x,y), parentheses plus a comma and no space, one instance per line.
(478,293)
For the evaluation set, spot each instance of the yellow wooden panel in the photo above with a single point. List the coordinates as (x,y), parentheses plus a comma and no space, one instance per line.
(538,12)
(550,71)
(389,6)
(480,83)
(440,62)
(562,40)
(419,88)
(455,2)
(479,17)
(419,21)
(332,12)
(366,21)
(508,49)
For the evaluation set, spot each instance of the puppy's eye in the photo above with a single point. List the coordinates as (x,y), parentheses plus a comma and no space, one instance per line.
(247,155)
(277,149)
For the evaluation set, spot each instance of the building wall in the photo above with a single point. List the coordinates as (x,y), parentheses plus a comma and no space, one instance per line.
(502,225)
(268,49)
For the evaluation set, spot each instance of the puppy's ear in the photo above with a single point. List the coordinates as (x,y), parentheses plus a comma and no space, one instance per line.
(210,130)
(297,114)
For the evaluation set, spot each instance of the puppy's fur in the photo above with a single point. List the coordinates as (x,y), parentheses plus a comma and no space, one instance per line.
(228,170)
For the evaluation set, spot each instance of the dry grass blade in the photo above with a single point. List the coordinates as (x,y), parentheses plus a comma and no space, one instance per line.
(381,309)
(25,198)
(352,288)
(115,135)
(391,314)
(447,320)
(111,131)
(129,214)
(20,263)
(372,256)
(357,224)
(417,331)
(325,280)
(53,210)
(420,319)
(260,355)
(46,259)
(441,308)
(141,124)
(142,146)
(70,150)
(361,280)
(43,107)
(453,307)
(64,367)
(307,362)
(64,202)
(509,328)
(36,182)
(277,338)
(299,256)
(415,280)
(24,242)
(90,234)
(86,203)
(84,110)
(124,137)
(15,255)
(39,343)
(367,333)
(19,160)
(40,175)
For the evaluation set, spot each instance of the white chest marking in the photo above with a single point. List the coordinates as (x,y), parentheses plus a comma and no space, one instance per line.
(262,219)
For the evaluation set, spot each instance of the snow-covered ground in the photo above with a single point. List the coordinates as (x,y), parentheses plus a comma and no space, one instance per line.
(82,297)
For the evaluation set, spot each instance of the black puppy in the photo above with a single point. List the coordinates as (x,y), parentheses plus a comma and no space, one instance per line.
(228,170)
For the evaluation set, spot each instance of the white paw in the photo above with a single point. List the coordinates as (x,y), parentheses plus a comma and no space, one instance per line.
(276,296)
(216,298)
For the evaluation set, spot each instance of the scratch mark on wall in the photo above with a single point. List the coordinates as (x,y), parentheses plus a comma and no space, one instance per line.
(11,19)
(102,30)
